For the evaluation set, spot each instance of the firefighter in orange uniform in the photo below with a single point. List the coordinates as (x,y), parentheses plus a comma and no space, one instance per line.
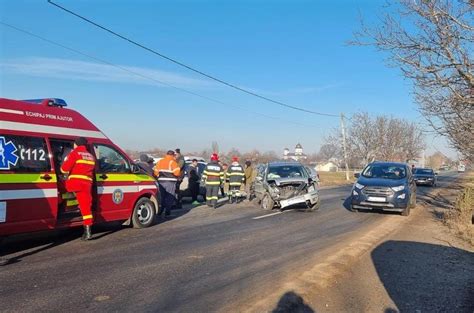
(79,166)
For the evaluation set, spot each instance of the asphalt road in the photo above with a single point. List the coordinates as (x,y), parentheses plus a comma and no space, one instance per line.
(201,260)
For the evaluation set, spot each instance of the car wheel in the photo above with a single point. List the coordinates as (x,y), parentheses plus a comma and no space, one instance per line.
(313,207)
(413,201)
(144,213)
(406,212)
(267,203)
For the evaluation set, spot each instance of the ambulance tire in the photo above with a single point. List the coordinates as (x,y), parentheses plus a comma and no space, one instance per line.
(144,213)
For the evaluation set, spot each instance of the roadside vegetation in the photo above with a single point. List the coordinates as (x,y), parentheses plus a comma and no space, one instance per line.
(431,43)
(335,178)
(460,218)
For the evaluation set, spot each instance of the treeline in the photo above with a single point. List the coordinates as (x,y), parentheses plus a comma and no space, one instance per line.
(370,138)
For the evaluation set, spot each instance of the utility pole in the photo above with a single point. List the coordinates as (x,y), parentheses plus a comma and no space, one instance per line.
(343,131)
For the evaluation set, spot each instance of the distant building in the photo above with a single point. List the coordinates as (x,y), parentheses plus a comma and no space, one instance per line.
(298,155)
(327,167)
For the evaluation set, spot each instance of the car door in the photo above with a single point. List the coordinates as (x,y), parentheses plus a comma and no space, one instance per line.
(116,185)
(28,185)
(259,189)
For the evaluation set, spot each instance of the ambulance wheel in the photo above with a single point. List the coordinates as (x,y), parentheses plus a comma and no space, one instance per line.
(144,213)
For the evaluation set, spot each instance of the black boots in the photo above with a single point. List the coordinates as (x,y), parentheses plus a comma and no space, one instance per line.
(87,235)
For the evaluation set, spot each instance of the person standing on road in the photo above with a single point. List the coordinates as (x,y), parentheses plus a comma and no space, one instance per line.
(236,176)
(193,179)
(146,164)
(249,177)
(168,172)
(225,182)
(79,166)
(213,177)
(181,163)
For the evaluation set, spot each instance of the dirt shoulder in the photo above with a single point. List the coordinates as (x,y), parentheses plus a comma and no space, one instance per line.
(421,267)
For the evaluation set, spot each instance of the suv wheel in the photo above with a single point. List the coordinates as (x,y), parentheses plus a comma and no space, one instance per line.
(267,202)
(406,212)
(412,201)
(313,207)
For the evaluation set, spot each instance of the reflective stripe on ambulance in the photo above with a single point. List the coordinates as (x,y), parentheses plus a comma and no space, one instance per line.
(124,178)
(28,193)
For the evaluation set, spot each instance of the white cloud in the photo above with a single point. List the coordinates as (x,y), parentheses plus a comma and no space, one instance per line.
(91,71)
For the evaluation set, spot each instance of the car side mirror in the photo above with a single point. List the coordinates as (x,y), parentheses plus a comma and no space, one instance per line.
(356,175)
(135,169)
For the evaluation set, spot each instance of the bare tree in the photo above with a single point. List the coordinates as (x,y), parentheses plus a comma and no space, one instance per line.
(215,147)
(432,42)
(331,149)
(383,138)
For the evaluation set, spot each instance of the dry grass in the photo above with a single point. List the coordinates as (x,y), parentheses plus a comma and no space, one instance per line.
(335,178)
(460,218)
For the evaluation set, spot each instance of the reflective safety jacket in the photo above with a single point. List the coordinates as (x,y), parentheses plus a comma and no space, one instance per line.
(167,169)
(235,174)
(79,165)
(213,174)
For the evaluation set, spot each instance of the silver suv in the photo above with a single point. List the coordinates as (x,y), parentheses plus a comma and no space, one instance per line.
(284,184)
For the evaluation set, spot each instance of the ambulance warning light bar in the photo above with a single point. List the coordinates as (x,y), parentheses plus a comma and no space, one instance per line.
(52,102)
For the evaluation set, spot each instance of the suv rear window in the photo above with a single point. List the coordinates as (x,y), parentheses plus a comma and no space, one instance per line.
(423,171)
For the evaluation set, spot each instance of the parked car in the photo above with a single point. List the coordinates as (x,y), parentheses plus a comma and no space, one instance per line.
(461,168)
(184,186)
(386,186)
(425,176)
(284,184)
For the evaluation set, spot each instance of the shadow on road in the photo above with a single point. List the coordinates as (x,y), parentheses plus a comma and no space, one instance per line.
(425,277)
(291,302)
(18,247)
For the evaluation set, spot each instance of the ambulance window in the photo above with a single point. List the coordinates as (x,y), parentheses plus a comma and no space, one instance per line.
(110,160)
(23,154)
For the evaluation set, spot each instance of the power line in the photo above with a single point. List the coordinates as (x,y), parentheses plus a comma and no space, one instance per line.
(187,66)
(145,76)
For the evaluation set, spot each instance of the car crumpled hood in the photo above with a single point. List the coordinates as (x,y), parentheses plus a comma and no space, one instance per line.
(381,182)
(283,181)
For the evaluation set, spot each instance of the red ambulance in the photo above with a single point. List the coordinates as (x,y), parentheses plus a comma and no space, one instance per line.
(35,138)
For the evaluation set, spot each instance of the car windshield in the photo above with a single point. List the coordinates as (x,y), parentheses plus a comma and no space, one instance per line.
(384,171)
(287,171)
(423,171)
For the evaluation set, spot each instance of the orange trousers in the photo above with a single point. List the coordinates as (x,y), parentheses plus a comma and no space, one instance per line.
(83,191)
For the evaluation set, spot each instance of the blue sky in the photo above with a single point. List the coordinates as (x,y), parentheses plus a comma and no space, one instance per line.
(291,51)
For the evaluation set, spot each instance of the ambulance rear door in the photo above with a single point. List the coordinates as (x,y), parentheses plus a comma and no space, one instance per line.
(28,185)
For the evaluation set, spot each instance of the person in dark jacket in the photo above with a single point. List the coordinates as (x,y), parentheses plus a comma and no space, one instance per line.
(236,176)
(213,177)
(181,163)
(146,164)
(193,179)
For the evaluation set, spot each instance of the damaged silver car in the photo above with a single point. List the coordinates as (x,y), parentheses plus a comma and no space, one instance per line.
(284,184)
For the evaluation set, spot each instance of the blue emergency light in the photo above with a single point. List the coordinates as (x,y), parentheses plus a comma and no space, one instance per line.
(52,102)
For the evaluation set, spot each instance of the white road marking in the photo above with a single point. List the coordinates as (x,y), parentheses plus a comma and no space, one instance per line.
(271,214)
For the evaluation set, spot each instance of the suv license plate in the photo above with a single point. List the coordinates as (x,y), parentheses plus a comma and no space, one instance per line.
(376,199)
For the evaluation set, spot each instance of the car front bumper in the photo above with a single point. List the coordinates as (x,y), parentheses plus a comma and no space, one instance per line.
(311,197)
(388,203)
